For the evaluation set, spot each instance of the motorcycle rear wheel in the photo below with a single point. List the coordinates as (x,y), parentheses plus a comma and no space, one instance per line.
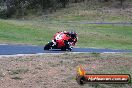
(63,49)
(48,46)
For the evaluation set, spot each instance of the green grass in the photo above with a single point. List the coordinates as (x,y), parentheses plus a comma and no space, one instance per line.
(107,36)
(90,35)
(41,29)
(18,71)
(16,78)
(23,33)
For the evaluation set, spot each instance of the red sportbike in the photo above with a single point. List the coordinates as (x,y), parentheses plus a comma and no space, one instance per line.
(62,40)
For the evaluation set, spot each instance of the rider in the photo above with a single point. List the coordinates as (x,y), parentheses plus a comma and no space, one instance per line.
(73,37)
(70,37)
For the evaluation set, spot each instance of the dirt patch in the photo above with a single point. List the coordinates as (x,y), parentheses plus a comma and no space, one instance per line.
(59,71)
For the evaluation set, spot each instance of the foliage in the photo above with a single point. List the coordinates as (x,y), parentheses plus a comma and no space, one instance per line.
(21,7)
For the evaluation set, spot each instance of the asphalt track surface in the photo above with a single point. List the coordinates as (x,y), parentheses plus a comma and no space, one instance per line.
(102,23)
(29,49)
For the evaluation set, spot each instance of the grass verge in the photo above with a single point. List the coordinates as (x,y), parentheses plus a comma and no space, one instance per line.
(90,35)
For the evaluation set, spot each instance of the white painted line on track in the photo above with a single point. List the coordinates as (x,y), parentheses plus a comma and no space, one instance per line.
(3,44)
(18,55)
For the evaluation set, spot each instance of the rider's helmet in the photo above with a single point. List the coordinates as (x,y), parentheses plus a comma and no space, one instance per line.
(73,34)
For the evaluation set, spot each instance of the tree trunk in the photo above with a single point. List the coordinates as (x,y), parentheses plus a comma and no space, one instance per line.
(106,0)
(8,8)
(121,2)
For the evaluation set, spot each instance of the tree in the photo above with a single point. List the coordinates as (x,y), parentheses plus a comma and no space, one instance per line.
(8,8)
(76,1)
(121,2)
(64,3)
(106,0)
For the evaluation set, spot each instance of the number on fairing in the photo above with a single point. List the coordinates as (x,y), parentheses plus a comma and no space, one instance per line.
(58,37)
